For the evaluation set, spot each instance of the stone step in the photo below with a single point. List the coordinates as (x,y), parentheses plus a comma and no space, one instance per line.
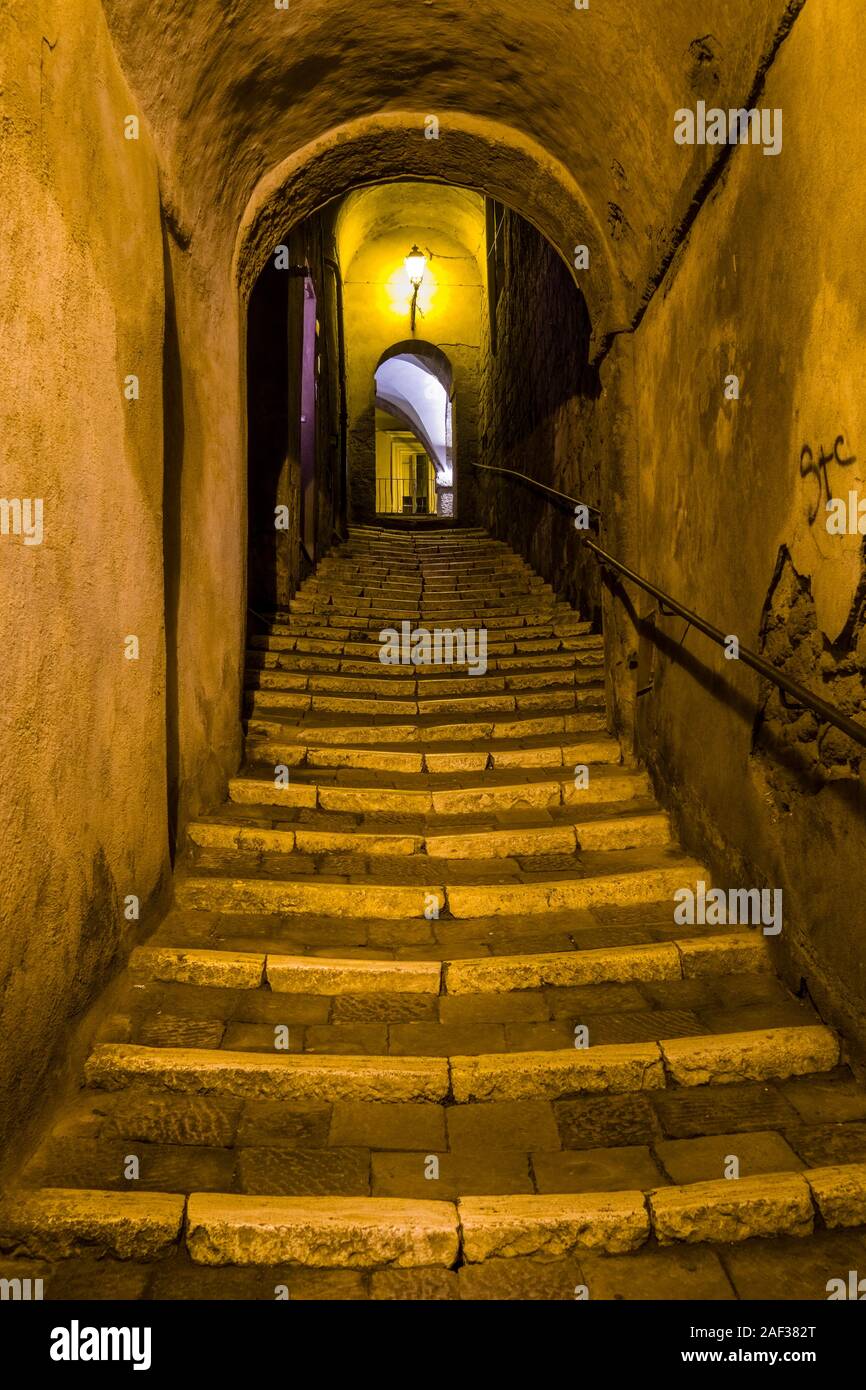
(275,677)
(368,648)
(690,958)
(724,1211)
(516,607)
(631,878)
(579,665)
(61,1223)
(341,608)
(267,748)
(395,580)
(234,1229)
(423,728)
(723,1059)
(761,1055)
(404,572)
(269,695)
(363,897)
(457,558)
(325,627)
(284,1076)
(483,549)
(416,579)
(733,953)
(370,613)
(412,938)
(615,831)
(502,790)
(325,1232)
(361,627)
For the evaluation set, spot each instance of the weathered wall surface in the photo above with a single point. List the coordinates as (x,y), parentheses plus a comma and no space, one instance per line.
(541,413)
(732,509)
(206,514)
(82,758)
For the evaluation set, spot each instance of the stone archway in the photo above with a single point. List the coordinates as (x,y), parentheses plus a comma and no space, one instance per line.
(436,361)
(414,384)
(467,151)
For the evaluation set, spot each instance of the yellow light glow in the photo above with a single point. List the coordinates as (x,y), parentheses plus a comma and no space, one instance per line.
(415,265)
(399,290)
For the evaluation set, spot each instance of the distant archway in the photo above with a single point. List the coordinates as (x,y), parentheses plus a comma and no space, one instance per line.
(414,450)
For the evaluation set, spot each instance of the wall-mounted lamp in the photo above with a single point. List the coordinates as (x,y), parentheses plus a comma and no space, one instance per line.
(415,264)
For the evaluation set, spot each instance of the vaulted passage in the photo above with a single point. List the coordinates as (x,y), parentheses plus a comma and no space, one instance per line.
(432,545)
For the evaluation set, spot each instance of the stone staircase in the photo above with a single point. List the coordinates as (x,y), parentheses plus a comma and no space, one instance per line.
(351,1062)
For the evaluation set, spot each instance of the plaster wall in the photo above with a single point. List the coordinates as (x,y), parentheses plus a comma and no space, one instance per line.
(732,519)
(83,807)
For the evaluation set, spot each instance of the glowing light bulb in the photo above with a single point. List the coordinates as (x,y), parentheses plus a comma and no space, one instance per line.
(415,264)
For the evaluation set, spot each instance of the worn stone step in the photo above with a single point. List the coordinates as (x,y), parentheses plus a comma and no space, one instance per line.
(60,1223)
(255,1075)
(586,697)
(473,728)
(564,837)
(501,790)
(352,616)
(333,675)
(398,577)
(497,654)
(515,1226)
(631,879)
(310,894)
(302,838)
(267,744)
(224,1228)
(422,688)
(615,831)
(691,958)
(732,953)
(610,1069)
(725,1211)
(580,664)
(445,939)
(722,1059)
(324,1232)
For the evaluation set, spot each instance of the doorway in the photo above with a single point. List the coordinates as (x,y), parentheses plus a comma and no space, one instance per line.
(414,432)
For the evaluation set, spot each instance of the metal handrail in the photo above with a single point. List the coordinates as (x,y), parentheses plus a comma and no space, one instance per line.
(800,693)
(552,492)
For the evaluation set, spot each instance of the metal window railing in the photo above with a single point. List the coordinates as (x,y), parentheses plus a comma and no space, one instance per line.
(799,693)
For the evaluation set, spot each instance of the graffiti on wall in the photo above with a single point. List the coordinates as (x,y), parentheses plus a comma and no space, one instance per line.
(810,466)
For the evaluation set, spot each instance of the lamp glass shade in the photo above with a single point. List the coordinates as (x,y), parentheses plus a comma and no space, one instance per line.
(416,264)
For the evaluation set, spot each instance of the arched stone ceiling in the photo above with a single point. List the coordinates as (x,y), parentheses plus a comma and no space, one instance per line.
(373,212)
(233,88)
